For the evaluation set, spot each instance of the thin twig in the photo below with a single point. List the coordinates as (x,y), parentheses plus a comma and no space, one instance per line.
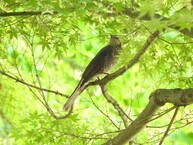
(115,104)
(163,113)
(169,126)
(30,85)
(104,113)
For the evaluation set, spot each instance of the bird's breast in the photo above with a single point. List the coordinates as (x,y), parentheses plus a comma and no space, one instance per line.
(110,60)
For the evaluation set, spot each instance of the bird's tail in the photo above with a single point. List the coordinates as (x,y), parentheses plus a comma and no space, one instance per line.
(68,105)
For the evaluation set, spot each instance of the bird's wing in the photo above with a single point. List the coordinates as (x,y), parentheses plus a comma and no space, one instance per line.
(93,68)
(97,63)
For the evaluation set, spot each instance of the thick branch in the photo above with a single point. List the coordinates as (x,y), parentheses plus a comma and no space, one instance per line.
(158,98)
(178,97)
(136,126)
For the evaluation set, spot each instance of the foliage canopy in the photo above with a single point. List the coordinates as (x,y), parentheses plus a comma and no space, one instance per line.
(45,45)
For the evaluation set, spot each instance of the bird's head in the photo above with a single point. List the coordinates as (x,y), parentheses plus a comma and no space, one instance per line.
(114,41)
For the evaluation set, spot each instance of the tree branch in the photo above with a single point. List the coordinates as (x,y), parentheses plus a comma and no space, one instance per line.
(30,85)
(135,14)
(27,13)
(169,126)
(178,97)
(115,104)
(106,115)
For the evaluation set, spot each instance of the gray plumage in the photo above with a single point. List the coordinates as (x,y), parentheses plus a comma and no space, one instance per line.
(105,59)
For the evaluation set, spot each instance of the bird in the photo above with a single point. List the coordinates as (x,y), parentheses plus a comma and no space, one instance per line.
(102,63)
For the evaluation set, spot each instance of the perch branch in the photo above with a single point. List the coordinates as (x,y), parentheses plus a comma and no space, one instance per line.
(133,61)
